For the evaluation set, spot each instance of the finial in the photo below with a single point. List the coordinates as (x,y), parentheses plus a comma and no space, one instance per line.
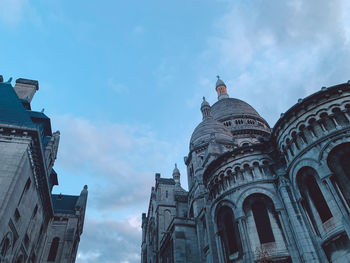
(42,111)
(203,98)
(175,165)
(218,76)
(9,81)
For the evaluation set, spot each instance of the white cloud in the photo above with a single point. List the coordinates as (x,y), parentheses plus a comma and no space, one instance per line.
(11,11)
(117,87)
(120,159)
(109,242)
(280,51)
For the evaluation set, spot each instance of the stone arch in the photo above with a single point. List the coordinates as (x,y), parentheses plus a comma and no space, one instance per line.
(221,203)
(340,139)
(5,244)
(20,259)
(296,168)
(258,190)
(228,233)
(264,227)
(167,218)
(312,199)
(338,162)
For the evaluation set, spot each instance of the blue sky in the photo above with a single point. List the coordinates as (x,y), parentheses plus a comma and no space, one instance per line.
(123,82)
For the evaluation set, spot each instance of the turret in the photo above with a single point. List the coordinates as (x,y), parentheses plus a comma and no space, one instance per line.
(221,89)
(176,176)
(205,109)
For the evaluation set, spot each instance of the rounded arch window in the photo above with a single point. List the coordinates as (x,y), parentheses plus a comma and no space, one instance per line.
(338,163)
(313,200)
(5,245)
(53,249)
(229,234)
(259,205)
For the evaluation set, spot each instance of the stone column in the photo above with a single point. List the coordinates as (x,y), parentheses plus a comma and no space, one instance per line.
(344,214)
(301,236)
(219,246)
(290,242)
(247,253)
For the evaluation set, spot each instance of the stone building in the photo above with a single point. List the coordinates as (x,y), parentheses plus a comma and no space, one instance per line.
(258,194)
(35,225)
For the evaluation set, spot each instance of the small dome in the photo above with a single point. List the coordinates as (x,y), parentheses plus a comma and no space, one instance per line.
(206,129)
(229,107)
(176,171)
(204,103)
(219,83)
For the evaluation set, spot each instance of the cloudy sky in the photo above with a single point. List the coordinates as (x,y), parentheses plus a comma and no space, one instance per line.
(123,82)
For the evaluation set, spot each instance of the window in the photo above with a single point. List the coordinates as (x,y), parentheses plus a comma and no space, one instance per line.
(26,241)
(35,211)
(166,194)
(25,189)
(318,199)
(262,222)
(228,233)
(17,215)
(5,245)
(20,259)
(53,249)
(313,201)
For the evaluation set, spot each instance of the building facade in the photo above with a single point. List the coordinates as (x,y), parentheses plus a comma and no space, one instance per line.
(35,225)
(258,194)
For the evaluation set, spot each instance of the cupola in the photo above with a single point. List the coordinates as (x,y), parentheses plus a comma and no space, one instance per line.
(205,109)
(221,89)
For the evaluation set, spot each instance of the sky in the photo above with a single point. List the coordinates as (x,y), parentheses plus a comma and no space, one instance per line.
(123,82)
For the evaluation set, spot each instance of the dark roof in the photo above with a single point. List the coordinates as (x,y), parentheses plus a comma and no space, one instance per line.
(11,109)
(166,180)
(64,204)
(42,120)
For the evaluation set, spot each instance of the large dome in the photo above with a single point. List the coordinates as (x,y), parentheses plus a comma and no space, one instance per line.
(208,128)
(230,107)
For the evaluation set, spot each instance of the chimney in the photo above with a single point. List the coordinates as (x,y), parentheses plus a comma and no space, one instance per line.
(26,88)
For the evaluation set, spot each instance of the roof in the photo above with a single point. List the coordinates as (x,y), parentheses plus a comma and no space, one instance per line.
(228,107)
(64,204)
(204,131)
(12,110)
(166,180)
(43,121)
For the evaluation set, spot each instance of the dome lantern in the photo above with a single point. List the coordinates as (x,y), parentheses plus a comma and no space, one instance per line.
(205,109)
(176,175)
(221,89)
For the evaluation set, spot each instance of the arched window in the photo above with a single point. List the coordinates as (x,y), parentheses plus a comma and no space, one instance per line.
(53,249)
(338,163)
(5,245)
(25,189)
(229,234)
(313,199)
(20,259)
(262,222)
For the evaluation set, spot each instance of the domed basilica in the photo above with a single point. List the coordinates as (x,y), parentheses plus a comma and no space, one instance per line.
(258,194)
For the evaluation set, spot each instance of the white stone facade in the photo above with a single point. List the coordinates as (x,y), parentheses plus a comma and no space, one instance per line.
(258,194)
(30,216)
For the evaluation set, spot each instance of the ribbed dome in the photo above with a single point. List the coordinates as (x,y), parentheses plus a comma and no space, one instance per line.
(203,132)
(229,107)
